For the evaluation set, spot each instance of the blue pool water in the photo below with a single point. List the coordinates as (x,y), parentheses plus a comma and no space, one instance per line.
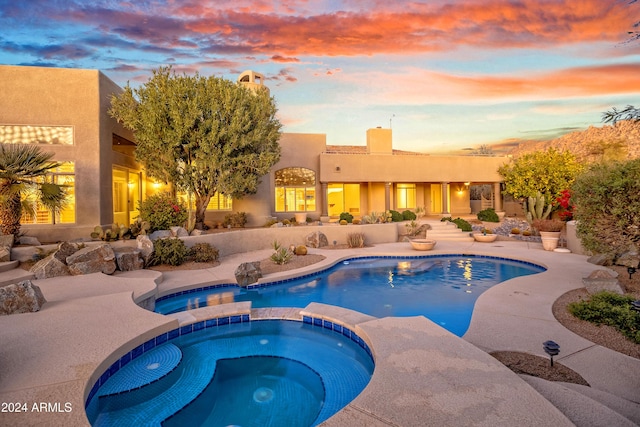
(441,288)
(255,373)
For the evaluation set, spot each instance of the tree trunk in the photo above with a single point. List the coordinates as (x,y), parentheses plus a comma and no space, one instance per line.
(10,216)
(201,208)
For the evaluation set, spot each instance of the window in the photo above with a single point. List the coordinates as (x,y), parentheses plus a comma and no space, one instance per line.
(343,198)
(295,190)
(22,134)
(405,196)
(218,202)
(62,175)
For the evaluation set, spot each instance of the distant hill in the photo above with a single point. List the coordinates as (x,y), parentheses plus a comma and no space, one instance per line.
(619,142)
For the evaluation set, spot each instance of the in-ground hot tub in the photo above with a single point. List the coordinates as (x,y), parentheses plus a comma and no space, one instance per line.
(232,371)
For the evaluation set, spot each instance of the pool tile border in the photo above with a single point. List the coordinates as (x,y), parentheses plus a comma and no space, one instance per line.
(315,273)
(212,323)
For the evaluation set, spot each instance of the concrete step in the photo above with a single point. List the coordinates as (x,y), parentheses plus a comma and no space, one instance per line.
(14,275)
(585,406)
(446,230)
(9,265)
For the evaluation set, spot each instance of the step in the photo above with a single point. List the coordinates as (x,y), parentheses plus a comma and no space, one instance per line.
(584,406)
(15,275)
(8,265)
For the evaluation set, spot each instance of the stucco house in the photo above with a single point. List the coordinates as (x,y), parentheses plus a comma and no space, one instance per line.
(65,111)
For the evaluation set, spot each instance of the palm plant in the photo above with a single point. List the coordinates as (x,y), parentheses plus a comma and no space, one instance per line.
(23,170)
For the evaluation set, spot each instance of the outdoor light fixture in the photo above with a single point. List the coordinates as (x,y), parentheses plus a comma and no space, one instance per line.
(635,305)
(631,270)
(551,348)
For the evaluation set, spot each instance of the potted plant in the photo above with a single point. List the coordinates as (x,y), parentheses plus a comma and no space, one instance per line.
(549,230)
(486,235)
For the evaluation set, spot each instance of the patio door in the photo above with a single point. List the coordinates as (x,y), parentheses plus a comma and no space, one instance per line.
(126,195)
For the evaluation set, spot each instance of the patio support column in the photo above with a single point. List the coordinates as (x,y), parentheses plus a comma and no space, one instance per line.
(325,200)
(387,196)
(497,197)
(445,197)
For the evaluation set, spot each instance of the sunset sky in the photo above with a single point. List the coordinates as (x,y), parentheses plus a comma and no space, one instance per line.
(446,75)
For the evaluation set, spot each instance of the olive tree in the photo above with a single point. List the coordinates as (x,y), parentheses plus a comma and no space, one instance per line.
(545,172)
(204,135)
(607,207)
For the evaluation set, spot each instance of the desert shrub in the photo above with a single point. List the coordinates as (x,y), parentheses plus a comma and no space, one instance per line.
(607,308)
(281,255)
(396,216)
(346,216)
(407,215)
(170,251)
(203,252)
(356,221)
(488,215)
(607,201)
(235,220)
(162,212)
(460,223)
(355,240)
(270,223)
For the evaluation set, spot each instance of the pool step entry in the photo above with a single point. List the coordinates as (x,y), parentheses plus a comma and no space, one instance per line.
(446,230)
(192,380)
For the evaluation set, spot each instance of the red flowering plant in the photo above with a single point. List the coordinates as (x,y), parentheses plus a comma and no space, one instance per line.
(162,212)
(566,208)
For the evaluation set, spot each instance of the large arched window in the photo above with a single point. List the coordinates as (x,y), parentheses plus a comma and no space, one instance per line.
(295,190)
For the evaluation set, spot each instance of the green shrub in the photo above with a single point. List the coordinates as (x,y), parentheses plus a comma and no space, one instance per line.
(235,220)
(607,308)
(407,215)
(488,215)
(460,223)
(346,216)
(162,212)
(396,216)
(171,251)
(203,252)
(607,201)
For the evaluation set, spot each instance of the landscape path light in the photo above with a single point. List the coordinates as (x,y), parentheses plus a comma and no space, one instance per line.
(551,348)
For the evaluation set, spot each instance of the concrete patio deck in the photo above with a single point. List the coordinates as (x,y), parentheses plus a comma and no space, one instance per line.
(424,375)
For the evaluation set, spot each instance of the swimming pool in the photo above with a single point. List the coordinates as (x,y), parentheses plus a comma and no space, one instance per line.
(250,373)
(443,288)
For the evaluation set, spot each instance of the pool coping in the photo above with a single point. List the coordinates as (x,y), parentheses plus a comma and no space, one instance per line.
(64,357)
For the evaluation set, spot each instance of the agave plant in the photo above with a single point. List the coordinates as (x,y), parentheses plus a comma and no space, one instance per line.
(23,170)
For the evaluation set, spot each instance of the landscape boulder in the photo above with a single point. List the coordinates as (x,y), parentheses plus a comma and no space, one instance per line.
(29,240)
(631,258)
(160,234)
(602,280)
(92,259)
(24,297)
(601,259)
(317,239)
(65,249)
(248,273)
(6,243)
(179,232)
(49,267)
(145,246)
(129,259)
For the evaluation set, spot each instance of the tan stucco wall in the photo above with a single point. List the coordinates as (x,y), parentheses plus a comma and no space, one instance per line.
(68,97)
(409,168)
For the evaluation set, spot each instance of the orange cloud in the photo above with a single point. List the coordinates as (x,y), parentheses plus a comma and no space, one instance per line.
(418,28)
